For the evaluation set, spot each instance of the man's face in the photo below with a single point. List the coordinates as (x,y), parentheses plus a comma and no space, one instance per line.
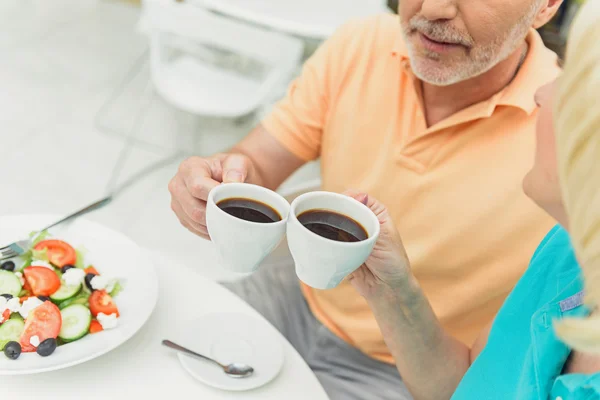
(453,40)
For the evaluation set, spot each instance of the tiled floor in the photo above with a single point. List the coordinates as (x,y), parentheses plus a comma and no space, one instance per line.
(61,60)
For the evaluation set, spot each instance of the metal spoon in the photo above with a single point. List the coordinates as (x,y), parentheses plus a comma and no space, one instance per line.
(234,370)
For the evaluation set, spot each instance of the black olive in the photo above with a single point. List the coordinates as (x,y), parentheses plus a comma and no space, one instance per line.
(8,266)
(12,350)
(7,296)
(88,281)
(47,347)
(67,267)
(43,298)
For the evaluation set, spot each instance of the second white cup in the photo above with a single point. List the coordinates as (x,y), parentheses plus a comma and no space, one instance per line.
(320,262)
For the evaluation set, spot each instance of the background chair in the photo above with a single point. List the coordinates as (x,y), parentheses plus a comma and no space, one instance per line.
(207,64)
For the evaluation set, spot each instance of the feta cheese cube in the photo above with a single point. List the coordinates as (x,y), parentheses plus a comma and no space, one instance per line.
(41,263)
(107,321)
(28,305)
(34,340)
(73,276)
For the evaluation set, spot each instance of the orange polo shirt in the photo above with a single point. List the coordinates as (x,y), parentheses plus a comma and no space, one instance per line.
(453,189)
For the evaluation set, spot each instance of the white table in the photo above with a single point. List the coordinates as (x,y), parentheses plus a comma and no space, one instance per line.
(315,19)
(142,368)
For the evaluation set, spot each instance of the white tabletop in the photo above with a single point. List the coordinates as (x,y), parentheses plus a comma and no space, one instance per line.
(316,19)
(142,368)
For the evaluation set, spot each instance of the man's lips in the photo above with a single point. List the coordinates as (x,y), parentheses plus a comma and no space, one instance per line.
(435,46)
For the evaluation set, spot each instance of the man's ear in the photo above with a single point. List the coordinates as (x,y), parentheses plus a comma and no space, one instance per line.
(546,12)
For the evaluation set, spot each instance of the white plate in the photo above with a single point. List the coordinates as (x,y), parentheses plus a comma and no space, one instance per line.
(232,337)
(114,255)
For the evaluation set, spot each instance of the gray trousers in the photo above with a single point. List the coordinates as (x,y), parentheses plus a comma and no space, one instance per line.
(344,372)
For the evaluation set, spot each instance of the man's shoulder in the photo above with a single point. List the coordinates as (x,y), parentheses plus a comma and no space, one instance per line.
(370,36)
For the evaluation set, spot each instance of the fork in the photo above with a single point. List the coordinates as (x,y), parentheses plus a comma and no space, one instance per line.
(21,247)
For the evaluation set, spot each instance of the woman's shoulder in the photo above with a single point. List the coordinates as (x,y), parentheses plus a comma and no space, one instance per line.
(556,240)
(552,268)
(554,253)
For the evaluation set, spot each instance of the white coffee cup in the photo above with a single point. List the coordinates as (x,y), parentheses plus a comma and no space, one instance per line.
(242,245)
(320,262)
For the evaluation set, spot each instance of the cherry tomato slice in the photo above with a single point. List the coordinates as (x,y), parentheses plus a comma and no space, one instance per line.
(101,302)
(44,322)
(59,253)
(41,280)
(96,327)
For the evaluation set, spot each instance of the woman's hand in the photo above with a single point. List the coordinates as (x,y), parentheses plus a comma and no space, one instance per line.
(387,269)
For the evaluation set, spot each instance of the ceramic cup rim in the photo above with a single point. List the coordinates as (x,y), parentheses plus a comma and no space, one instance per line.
(293,218)
(226,186)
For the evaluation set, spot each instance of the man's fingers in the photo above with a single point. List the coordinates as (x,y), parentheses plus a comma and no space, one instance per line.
(235,168)
(192,226)
(196,232)
(196,174)
(194,208)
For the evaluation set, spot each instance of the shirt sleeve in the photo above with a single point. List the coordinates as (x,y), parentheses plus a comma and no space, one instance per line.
(297,121)
(576,387)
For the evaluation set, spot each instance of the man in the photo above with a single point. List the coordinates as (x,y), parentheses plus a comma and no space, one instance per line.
(434,117)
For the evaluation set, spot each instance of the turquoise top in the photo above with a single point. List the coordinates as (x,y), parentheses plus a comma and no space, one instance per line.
(523,358)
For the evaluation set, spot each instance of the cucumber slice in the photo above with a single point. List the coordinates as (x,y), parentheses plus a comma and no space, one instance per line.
(16,316)
(76,320)
(65,292)
(81,298)
(9,283)
(11,330)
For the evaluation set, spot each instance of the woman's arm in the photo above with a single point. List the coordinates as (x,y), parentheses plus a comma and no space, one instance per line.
(430,361)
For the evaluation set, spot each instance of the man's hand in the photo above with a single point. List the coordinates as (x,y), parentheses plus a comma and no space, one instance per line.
(194,180)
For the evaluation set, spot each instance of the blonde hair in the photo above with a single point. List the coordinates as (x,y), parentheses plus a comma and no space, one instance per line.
(577,121)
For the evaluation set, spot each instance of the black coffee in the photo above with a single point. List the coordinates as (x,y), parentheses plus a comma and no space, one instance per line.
(249,210)
(332,225)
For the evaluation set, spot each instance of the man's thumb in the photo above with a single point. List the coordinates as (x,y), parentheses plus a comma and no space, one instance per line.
(235,169)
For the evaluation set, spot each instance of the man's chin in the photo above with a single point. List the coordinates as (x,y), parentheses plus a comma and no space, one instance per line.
(437,75)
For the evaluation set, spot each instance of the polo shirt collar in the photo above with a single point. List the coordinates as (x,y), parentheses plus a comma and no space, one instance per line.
(539,68)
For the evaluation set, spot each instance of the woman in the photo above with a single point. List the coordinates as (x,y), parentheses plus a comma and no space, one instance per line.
(519,356)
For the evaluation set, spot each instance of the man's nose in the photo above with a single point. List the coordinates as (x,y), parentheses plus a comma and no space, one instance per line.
(435,10)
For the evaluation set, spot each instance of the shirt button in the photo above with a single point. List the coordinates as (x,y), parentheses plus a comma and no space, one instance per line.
(559,398)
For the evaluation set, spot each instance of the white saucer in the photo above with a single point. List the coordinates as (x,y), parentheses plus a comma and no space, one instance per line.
(232,337)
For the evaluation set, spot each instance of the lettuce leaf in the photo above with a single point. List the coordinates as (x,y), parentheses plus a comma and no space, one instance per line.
(41,236)
(80,252)
(39,255)
(116,289)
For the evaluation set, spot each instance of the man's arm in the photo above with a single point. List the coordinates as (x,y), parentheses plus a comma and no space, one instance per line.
(271,162)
